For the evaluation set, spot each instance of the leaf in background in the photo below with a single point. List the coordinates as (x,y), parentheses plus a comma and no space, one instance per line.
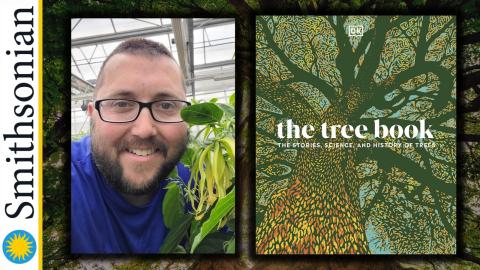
(231,223)
(231,100)
(214,243)
(187,157)
(176,235)
(221,209)
(228,110)
(173,206)
(194,229)
(201,114)
(229,146)
(230,246)
(179,250)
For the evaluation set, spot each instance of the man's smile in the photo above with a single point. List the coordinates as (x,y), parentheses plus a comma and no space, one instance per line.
(142,152)
(142,155)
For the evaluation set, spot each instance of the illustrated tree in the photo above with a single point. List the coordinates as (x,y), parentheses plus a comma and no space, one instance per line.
(356,200)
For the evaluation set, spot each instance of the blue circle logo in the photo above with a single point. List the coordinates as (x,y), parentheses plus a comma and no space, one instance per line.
(19,246)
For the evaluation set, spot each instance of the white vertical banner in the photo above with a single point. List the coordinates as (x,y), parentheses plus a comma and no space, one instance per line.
(20,134)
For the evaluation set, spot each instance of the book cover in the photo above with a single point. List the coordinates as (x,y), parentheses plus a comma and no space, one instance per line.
(355,135)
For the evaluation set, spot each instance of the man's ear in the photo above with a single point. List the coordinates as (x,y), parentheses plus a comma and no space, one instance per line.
(90,109)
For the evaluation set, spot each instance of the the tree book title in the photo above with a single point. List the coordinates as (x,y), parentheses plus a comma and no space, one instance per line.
(291,130)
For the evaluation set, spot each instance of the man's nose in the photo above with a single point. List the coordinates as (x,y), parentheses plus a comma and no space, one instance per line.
(144,125)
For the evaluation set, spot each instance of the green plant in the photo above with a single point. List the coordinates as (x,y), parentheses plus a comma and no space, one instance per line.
(79,135)
(209,225)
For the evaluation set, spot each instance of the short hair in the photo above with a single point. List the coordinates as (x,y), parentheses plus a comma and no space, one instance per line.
(137,46)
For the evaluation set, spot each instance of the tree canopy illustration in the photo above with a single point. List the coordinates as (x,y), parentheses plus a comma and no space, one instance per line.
(356,200)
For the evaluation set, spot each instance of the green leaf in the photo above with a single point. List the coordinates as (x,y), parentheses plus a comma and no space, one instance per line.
(231,100)
(180,250)
(187,157)
(173,206)
(221,209)
(194,229)
(176,234)
(231,224)
(201,114)
(214,243)
(196,225)
(213,100)
(230,246)
(228,110)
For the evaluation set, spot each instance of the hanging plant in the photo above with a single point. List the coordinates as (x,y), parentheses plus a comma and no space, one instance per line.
(210,191)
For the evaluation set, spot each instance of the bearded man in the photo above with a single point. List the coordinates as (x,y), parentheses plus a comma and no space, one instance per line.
(136,139)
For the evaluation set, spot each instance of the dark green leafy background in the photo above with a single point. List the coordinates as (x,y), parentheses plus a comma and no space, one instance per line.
(56,115)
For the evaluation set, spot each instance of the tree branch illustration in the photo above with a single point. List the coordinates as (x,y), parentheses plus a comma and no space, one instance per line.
(344,61)
(435,196)
(444,77)
(372,58)
(422,45)
(268,90)
(387,158)
(439,32)
(299,74)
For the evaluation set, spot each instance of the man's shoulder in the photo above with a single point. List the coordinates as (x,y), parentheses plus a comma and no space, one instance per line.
(81,164)
(183,172)
(80,148)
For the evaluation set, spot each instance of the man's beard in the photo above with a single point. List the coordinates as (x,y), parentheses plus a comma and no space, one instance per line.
(113,171)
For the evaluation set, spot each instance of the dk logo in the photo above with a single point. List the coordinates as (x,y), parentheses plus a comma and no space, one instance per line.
(355,30)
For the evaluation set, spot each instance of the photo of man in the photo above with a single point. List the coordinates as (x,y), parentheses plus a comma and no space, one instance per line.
(121,167)
(137,137)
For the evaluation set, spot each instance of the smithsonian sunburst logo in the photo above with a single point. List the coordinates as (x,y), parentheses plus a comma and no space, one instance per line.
(19,246)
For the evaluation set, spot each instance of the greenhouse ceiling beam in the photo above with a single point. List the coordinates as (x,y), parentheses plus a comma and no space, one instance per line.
(215,64)
(219,77)
(86,96)
(150,31)
(212,89)
(180,33)
(81,84)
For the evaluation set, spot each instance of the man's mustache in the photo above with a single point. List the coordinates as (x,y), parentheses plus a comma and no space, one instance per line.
(153,142)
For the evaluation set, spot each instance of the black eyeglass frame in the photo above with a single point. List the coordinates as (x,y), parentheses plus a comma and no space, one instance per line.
(147,105)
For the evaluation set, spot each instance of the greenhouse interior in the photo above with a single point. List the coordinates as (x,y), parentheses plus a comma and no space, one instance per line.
(203,47)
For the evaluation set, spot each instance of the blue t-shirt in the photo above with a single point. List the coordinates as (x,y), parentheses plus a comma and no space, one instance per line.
(102,221)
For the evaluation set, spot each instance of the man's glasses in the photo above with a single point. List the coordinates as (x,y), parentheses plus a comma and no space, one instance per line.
(125,110)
